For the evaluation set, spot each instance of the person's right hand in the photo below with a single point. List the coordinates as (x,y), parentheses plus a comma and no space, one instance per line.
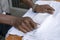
(24,24)
(43,9)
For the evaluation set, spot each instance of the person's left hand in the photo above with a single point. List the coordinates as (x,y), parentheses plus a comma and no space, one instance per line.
(24,24)
(43,9)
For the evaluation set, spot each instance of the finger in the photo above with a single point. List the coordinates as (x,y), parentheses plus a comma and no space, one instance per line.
(49,11)
(26,27)
(34,25)
(50,8)
(44,11)
(28,24)
(22,29)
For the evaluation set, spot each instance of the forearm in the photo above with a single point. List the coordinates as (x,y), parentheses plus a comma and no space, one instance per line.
(28,3)
(6,19)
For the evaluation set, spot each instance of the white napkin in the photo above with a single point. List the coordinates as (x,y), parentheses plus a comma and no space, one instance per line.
(50,29)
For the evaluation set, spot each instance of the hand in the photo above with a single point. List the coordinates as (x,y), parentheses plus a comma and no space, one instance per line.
(43,9)
(24,24)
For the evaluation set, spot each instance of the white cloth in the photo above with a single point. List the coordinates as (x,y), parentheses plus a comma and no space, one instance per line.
(49,28)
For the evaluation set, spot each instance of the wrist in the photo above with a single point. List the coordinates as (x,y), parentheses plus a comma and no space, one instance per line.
(6,19)
(34,6)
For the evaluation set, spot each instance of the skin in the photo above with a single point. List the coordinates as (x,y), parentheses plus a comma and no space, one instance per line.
(25,24)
